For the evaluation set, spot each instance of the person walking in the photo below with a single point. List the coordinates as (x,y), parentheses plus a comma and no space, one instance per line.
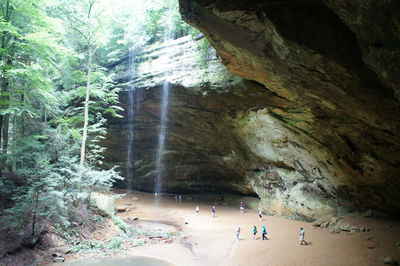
(302,237)
(176,198)
(241,207)
(180,198)
(259,215)
(264,233)
(197,209)
(213,211)
(254,232)
(237,232)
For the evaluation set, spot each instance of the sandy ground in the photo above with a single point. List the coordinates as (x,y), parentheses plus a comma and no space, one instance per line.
(212,241)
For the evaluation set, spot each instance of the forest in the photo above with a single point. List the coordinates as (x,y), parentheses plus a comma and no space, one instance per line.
(56,96)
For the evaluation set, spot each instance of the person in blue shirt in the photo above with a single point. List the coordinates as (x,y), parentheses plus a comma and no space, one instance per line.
(264,233)
(302,237)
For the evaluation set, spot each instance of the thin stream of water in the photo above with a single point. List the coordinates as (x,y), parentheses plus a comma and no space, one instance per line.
(131,116)
(164,113)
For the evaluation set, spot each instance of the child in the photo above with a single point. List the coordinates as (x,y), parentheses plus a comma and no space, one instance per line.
(213,211)
(237,232)
(302,237)
(255,232)
(241,207)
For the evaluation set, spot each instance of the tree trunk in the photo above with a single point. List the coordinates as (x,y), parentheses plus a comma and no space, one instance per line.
(85,124)
(6,123)
(22,117)
(4,85)
(14,144)
(1,132)
(6,119)
(34,214)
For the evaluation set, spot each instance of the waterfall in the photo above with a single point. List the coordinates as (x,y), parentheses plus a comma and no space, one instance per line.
(164,111)
(130,122)
(161,137)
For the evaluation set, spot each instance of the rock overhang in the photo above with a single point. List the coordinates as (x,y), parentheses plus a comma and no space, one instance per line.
(316,133)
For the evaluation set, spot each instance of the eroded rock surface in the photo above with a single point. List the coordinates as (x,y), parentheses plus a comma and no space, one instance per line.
(338,63)
(315,132)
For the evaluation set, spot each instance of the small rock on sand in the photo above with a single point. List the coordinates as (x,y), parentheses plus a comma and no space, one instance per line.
(58,259)
(122,209)
(134,199)
(389,260)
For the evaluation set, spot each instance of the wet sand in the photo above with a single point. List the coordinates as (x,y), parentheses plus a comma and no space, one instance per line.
(212,241)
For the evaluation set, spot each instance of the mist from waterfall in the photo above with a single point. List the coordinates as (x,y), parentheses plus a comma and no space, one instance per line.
(164,112)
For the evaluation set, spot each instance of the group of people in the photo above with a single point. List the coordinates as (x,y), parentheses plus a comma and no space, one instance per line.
(213,210)
(264,230)
(180,198)
(264,233)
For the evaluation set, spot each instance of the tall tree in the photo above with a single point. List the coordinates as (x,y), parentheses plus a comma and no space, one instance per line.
(90,45)
(85,20)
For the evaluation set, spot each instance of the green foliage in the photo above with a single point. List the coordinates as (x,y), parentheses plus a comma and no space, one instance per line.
(44,51)
(205,53)
(121,224)
(43,66)
(88,245)
(115,243)
(53,180)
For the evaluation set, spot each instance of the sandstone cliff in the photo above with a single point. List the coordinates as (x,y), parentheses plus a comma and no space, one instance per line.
(316,131)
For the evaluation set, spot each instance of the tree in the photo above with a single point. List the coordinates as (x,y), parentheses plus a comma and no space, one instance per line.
(26,55)
(39,108)
(85,20)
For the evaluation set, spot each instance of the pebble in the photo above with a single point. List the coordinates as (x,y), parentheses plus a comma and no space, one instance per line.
(389,260)
(58,259)
(121,209)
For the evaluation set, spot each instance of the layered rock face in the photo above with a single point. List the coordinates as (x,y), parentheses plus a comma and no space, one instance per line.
(337,62)
(315,131)
(198,138)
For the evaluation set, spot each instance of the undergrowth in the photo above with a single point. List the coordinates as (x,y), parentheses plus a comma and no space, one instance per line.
(128,236)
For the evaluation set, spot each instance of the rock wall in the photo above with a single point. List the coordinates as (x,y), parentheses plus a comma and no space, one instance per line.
(316,131)
(198,138)
(337,61)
